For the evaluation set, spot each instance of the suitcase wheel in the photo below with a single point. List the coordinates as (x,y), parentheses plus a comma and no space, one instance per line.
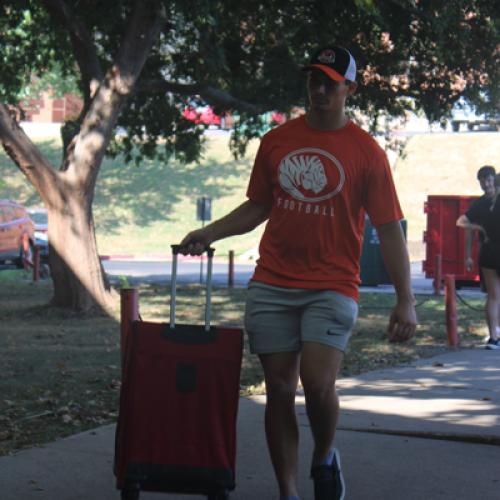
(220,495)
(131,491)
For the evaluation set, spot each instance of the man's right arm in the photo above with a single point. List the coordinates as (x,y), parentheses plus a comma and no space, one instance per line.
(241,220)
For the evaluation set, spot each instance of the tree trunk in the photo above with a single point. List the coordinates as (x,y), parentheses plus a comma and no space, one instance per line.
(79,280)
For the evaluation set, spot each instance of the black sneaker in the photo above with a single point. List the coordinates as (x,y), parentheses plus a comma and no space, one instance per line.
(493,344)
(328,480)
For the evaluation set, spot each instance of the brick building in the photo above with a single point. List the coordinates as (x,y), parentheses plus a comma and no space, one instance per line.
(50,109)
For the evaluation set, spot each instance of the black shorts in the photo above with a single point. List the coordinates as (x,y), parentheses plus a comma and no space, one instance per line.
(489,256)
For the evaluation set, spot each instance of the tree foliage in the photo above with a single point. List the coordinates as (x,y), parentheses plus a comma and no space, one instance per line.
(245,57)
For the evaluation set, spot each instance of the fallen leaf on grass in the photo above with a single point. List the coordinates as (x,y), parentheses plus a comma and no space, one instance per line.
(110,414)
(66,418)
(4,435)
(45,400)
(114,384)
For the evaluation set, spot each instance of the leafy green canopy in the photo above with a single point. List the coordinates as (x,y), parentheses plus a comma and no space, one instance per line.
(34,55)
(245,57)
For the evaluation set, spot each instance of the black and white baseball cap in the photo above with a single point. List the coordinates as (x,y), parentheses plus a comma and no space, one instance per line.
(335,62)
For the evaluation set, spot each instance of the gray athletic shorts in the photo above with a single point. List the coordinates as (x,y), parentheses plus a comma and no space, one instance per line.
(280,319)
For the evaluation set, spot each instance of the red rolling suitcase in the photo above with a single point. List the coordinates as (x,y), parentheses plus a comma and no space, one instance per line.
(176,428)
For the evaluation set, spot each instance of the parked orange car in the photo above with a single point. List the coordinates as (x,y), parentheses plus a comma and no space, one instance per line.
(17,234)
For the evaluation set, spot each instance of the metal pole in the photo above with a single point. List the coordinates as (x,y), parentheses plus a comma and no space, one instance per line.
(36,264)
(208,297)
(201,257)
(230,274)
(173,285)
(451,310)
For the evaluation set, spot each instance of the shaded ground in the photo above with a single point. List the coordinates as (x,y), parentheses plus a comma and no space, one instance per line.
(60,371)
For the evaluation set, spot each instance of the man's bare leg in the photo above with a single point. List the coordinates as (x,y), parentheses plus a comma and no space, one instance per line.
(318,372)
(281,371)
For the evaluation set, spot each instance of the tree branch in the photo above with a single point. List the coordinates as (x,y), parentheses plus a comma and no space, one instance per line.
(88,148)
(210,94)
(25,154)
(82,43)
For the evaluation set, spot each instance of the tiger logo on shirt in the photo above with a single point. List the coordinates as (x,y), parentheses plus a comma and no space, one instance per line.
(311,174)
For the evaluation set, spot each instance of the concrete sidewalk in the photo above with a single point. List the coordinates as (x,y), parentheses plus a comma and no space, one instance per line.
(421,432)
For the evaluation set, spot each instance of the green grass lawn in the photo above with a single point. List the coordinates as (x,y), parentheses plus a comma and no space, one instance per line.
(142,210)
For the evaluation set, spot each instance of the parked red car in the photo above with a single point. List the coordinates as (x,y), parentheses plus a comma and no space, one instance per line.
(204,115)
(17,234)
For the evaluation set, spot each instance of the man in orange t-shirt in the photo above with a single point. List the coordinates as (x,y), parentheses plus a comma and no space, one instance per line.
(313,179)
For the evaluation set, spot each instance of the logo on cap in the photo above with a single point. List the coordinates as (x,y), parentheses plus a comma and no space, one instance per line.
(327,56)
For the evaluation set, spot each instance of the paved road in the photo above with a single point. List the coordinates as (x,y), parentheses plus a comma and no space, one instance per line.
(159,271)
(188,271)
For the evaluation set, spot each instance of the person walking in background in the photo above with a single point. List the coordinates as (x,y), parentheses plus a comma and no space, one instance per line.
(313,179)
(486,178)
(484,216)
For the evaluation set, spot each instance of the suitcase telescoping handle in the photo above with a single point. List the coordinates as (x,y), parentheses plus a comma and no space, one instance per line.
(173,292)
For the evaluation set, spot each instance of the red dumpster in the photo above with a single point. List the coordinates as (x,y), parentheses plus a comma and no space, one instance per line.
(444,238)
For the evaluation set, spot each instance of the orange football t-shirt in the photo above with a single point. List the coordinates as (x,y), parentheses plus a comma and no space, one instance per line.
(319,184)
